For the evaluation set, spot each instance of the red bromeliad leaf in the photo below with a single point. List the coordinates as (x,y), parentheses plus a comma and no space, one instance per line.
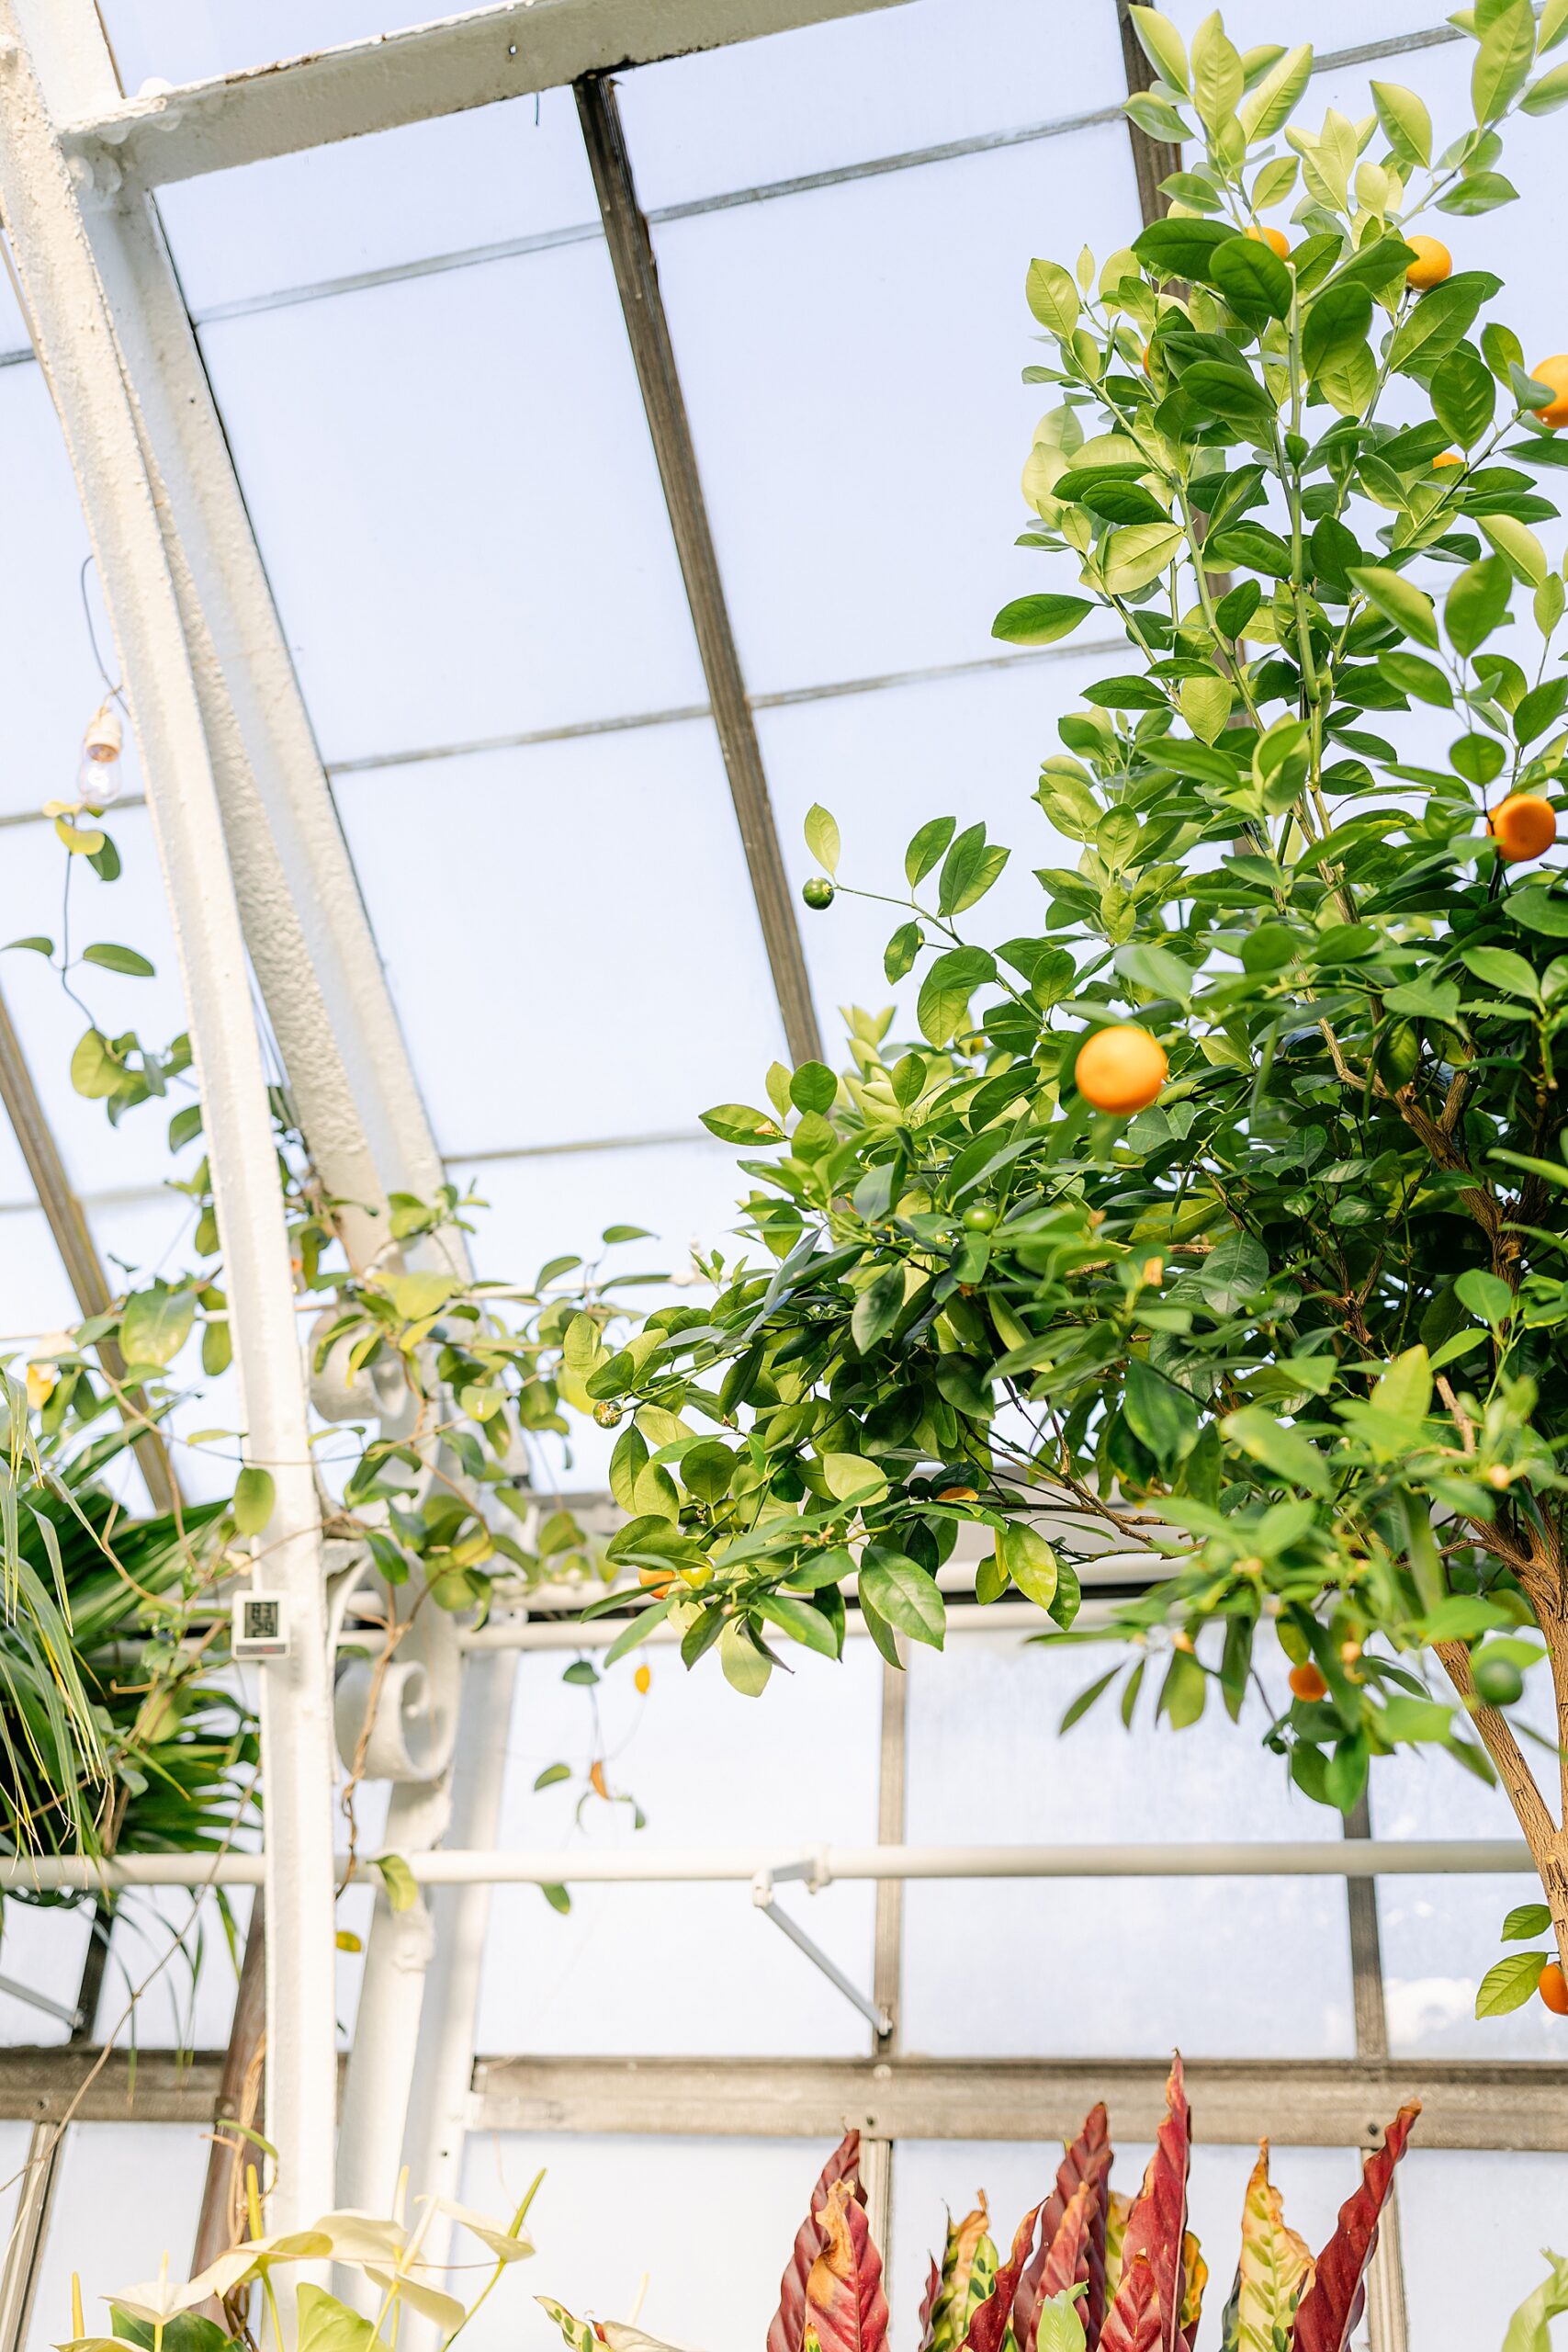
(1328,2312)
(846,2309)
(787,2330)
(928,2308)
(1156,2227)
(991,2321)
(1065,2262)
(1135,2321)
(1086,2162)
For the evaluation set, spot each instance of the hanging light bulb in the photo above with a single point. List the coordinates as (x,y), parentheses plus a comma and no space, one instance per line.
(104,738)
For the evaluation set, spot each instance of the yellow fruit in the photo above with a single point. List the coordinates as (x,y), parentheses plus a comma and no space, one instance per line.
(643,1680)
(1553,1987)
(1275,239)
(1448,458)
(1522,825)
(1432,263)
(1306,1681)
(1121,1069)
(957,1495)
(1553,371)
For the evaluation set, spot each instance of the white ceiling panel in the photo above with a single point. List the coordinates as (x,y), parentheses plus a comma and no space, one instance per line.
(852,362)
(455,494)
(570,936)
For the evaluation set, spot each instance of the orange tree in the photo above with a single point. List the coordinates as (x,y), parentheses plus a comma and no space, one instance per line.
(1225,1209)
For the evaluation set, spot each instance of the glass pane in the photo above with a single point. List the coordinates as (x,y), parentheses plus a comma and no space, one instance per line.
(188,41)
(15,2140)
(451,481)
(1462,2290)
(709,1770)
(931,2176)
(861,431)
(706,2225)
(1327,24)
(447,187)
(616,859)
(113,2238)
(44,1947)
(1221,1967)
(833,95)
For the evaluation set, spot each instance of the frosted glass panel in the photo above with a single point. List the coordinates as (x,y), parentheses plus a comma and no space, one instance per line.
(932,2174)
(875,85)
(128,2193)
(1327,24)
(612,979)
(709,1770)
(861,431)
(711,2221)
(684,1192)
(1473,2228)
(453,488)
(45,1948)
(186,41)
(968,747)
(1221,1967)
(474,179)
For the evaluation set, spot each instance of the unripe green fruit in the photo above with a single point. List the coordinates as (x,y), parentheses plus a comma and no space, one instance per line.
(1498,1681)
(817,892)
(981,1218)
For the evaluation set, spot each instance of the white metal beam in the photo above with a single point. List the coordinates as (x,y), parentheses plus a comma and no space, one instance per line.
(77,345)
(464,60)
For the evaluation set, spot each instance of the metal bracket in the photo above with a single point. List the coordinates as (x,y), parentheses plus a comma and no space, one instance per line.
(812,1869)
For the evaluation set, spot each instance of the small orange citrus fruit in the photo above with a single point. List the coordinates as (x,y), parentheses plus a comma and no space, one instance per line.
(1275,239)
(1553,1987)
(1432,263)
(957,1495)
(1143,360)
(1553,371)
(1448,458)
(1121,1069)
(655,1580)
(1306,1681)
(1522,825)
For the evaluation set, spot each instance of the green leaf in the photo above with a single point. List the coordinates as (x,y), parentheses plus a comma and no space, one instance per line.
(1399,600)
(416,1298)
(1501,968)
(1183,1691)
(1441,319)
(1051,296)
(1233,394)
(1161,44)
(822,838)
(1179,247)
(1039,620)
(1284,1451)
(39,944)
(403,1888)
(1337,325)
(327,2326)
(1529,2329)
(877,1309)
(968,871)
(737,1123)
(813,1087)
(1477,603)
(1407,125)
(95,1070)
(118,959)
(1525,1920)
(1161,1416)
(928,843)
(1503,60)
(1030,1561)
(1139,553)
(1508,1983)
(1485,1295)
(156,1324)
(1253,280)
(1268,107)
(560,1899)
(947,989)
(904,1596)
(853,1478)
(550,1775)
(746,1665)
(1464,394)
(1219,78)
(1551,92)
(254,1495)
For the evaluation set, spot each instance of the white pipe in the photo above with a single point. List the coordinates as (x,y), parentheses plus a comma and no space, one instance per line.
(822,1865)
(74,337)
(598,1633)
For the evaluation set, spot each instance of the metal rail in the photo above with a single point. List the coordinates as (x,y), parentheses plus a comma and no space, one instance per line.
(458,1865)
(647,330)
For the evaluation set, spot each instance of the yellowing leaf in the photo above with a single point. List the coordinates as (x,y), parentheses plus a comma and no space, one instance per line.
(1274,2268)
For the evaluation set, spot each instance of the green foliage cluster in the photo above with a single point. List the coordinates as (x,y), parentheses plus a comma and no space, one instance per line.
(1298,1325)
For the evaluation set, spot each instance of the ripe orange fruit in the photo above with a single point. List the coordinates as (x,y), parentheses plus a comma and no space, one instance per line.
(1522,825)
(1121,1069)
(655,1580)
(1432,263)
(1448,458)
(1275,239)
(958,1495)
(1306,1681)
(1554,371)
(1553,1987)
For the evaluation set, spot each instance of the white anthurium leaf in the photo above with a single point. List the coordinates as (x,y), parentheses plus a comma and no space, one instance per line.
(362,2237)
(489,2231)
(256,2256)
(446,2310)
(97,2344)
(158,2300)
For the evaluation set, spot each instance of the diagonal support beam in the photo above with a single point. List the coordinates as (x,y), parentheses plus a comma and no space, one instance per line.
(1153,159)
(74,1239)
(647,329)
